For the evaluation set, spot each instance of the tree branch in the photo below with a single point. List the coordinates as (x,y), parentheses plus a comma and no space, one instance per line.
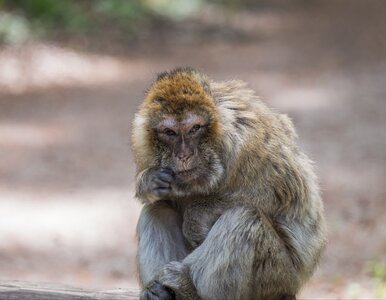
(20,290)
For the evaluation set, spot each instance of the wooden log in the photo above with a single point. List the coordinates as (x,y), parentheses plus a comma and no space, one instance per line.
(20,290)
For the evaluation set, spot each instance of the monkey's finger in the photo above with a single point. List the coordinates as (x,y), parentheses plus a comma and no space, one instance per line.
(147,295)
(165,177)
(168,171)
(161,192)
(157,182)
(157,292)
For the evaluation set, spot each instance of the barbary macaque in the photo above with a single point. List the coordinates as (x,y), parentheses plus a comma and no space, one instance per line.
(232,208)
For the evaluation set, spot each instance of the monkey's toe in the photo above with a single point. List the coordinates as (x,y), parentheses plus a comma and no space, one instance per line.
(157,291)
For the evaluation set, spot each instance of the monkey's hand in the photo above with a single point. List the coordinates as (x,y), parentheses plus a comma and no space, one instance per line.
(157,291)
(176,276)
(155,184)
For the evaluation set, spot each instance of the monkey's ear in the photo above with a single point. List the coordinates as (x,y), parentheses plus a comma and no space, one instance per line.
(206,87)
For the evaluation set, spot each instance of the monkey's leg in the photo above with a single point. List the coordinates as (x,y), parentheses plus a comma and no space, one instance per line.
(241,258)
(160,239)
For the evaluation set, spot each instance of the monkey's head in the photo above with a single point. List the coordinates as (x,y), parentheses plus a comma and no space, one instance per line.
(177,127)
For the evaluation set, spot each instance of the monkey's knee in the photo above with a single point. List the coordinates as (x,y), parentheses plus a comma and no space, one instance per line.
(244,239)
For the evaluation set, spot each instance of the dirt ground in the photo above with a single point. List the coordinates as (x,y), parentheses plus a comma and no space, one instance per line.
(67,212)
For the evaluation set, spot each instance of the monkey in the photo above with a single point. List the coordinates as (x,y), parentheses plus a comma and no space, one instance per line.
(232,208)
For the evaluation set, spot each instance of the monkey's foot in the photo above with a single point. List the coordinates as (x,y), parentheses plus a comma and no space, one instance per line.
(177,276)
(157,291)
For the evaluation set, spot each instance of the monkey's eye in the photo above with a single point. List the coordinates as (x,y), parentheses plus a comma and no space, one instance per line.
(169,132)
(195,128)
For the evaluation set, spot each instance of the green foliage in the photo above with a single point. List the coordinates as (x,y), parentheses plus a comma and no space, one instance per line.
(175,9)
(20,19)
(128,16)
(13,28)
(378,273)
(378,270)
(124,11)
(50,13)
(67,16)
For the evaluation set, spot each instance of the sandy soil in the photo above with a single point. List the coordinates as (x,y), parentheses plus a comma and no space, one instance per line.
(67,212)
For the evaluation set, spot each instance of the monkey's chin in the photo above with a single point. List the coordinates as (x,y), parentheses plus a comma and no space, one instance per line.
(188,175)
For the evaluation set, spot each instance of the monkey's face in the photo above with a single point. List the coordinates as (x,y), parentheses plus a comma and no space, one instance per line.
(178,127)
(188,148)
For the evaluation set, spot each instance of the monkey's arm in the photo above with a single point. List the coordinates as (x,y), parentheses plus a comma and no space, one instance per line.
(153,184)
(160,239)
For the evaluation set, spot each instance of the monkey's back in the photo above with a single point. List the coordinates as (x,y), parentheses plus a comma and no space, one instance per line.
(267,169)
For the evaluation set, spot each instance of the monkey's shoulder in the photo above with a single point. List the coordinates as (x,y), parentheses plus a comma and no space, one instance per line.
(247,117)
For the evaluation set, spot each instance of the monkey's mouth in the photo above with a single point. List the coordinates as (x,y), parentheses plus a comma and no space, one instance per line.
(187,173)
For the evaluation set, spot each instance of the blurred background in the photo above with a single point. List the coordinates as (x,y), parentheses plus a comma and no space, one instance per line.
(73,72)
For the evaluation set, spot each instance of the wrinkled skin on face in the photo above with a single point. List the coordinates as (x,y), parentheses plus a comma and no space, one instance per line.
(184,140)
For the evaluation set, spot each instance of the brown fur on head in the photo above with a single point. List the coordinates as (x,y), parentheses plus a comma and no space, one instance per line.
(178,91)
(176,103)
